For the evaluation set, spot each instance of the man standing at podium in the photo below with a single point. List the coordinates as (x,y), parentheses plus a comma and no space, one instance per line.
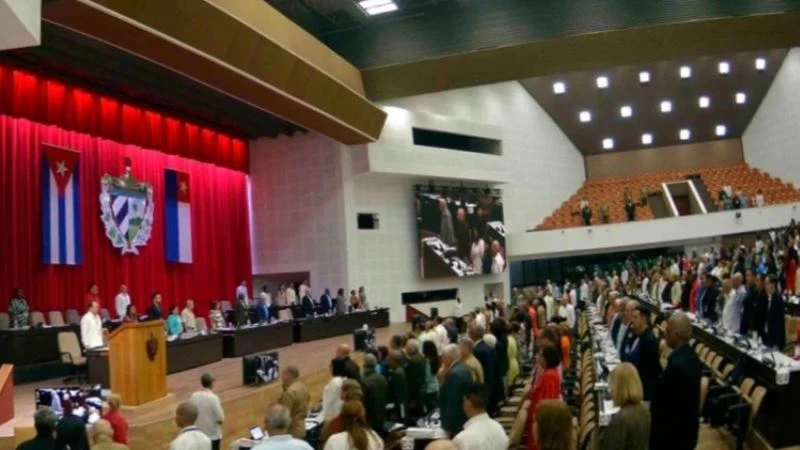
(92,327)
(154,312)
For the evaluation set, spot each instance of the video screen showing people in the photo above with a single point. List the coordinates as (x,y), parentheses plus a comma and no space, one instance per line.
(260,368)
(461,232)
(83,402)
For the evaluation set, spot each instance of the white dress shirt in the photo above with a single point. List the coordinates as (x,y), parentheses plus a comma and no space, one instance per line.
(458,310)
(480,318)
(209,413)
(732,312)
(191,439)
(548,304)
(91,330)
(760,200)
(291,296)
(266,298)
(568,312)
(442,337)
(241,290)
(332,398)
(476,256)
(341,441)
(121,302)
(302,290)
(283,442)
(481,433)
(498,263)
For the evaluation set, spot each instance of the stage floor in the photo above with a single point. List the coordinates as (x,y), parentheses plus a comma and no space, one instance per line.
(308,357)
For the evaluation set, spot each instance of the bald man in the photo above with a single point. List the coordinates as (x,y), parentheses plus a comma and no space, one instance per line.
(442,444)
(351,369)
(102,436)
(190,438)
(674,409)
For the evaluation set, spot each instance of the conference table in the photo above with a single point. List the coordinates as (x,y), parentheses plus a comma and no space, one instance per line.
(778,373)
(182,354)
(323,327)
(28,346)
(255,338)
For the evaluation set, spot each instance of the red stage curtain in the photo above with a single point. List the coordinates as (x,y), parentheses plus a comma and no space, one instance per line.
(220,223)
(29,96)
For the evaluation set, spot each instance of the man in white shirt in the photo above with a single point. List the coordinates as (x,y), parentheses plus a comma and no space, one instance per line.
(549,304)
(734,306)
(567,311)
(458,309)
(498,262)
(265,296)
(303,289)
(480,431)
(122,301)
(441,334)
(209,411)
(188,318)
(277,429)
(291,295)
(190,437)
(585,290)
(241,290)
(480,317)
(92,327)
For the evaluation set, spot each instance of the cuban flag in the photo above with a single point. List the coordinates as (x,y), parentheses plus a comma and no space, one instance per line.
(177,217)
(62,240)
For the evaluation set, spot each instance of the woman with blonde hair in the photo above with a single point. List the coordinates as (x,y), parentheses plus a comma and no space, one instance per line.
(350,391)
(356,434)
(553,426)
(629,428)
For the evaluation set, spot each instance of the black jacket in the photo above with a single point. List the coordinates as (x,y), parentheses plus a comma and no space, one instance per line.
(325,304)
(451,394)
(154,313)
(351,369)
(376,391)
(71,431)
(398,391)
(645,356)
(709,303)
(616,321)
(776,325)
(415,373)
(749,310)
(38,443)
(488,359)
(307,306)
(675,408)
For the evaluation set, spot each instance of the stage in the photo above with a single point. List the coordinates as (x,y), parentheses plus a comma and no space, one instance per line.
(244,406)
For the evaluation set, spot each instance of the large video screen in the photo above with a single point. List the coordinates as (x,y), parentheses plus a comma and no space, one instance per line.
(460,232)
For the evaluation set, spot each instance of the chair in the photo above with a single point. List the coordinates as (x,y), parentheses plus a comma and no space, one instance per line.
(37,318)
(56,318)
(72,316)
(5,321)
(201,324)
(71,354)
(226,305)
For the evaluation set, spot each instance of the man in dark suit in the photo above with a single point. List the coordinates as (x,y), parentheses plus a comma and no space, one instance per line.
(675,407)
(643,352)
(240,311)
(154,312)
(376,391)
(326,302)
(45,421)
(415,374)
(398,386)
(709,299)
(749,303)
(616,320)
(351,369)
(452,330)
(262,310)
(488,359)
(776,324)
(457,379)
(307,308)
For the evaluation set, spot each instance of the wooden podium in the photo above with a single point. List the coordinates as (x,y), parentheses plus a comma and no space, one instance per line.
(137,362)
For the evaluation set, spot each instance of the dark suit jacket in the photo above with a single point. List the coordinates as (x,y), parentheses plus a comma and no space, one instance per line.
(71,431)
(749,310)
(675,407)
(351,369)
(240,312)
(451,393)
(709,301)
(776,325)
(488,359)
(154,313)
(38,443)
(376,391)
(452,334)
(398,390)
(325,304)
(263,312)
(307,306)
(760,315)
(616,321)
(646,358)
(415,372)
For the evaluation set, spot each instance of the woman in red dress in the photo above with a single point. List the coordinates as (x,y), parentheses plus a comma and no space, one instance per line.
(791,270)
(547,385)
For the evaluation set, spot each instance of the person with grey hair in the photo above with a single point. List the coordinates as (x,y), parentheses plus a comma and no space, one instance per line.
(190,438)
(277,422)
(415,375)
(486,355)
(44,421)
(466,345)
(295,398)
(457,380)
(210,413)
(616,320)
(376,393)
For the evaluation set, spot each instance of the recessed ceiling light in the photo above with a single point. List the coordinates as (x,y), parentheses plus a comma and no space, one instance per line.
(373,3)
(741,97)
(685,134)
(559,87)
(761,64)
(666,106)
(375,7)
(626,111)
(585,116)
(608,144)
(704,101)
(685,72)
(644,77)
(720,130)
(724,67)
(602,82)
(647,138)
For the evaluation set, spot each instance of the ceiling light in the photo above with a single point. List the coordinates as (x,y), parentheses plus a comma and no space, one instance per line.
(626,111)
(373,3)
(602,82)
(685,134)
(741,97)
(666,106)
(685,72)
(585,116)
(375,7)
(724,67)
(559,87)
(720,130)
(703,102)
(608,144)
(761,64)
(647,139)
(644,77)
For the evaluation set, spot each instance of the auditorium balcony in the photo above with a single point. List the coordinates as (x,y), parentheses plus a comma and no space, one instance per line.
(689,191)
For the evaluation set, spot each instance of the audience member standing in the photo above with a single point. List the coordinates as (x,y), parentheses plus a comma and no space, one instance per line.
(457,380)
(71,430)
(643,352)
(775,324)
(332,392)
(567,311)
(209,411)
(488,359)
(44,421)
(499,330)
(341,303)
(102,437)
(552,429)
(295,398)
(350,367)
(115,418)
(356,435)
(629,428)
(431,374)
(121,301)
(350,390)
(547,385)
(480,431)
(398,386)
(415,374)
(376,392)
(154,312)
(675,406)
(732,311)
(277,422)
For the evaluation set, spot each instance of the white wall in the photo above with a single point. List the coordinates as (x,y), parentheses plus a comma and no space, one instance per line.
(771,139)
(298,209)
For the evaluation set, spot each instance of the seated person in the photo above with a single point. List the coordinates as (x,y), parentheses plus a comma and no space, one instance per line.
(130,314)
(174,324)
(215,317)
(18,310)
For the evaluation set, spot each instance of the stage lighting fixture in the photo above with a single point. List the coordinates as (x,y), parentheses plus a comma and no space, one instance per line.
(626,111)
(647,139)
(608,144)
(585,116)
(720,130)
(685,134)
(685,72)
(666,106)
(704,101)
(644,77)
(559,88)
(602,82)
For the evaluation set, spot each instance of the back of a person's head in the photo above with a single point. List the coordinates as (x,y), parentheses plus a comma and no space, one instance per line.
(553,425)
(625,385)
(551,357)
(45,420)
(102,428)
(351,390)
(354,423)
(278,418)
